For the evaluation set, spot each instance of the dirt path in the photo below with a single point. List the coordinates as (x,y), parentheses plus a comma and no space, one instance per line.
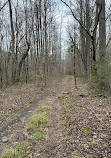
(14,129)
(85,129)
(52,147)
(79,126)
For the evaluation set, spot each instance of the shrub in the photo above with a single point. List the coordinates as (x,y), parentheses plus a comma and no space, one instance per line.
(100,80)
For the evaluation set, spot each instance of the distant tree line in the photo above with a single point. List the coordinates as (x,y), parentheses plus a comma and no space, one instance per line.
(29,41)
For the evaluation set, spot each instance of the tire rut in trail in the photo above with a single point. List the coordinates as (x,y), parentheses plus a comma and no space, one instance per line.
(27,112)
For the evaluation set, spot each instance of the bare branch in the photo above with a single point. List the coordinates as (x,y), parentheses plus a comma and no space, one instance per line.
(77,19)
(108,42)
(3,6)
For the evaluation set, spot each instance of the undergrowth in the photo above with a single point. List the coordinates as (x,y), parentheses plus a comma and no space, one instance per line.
(100,80)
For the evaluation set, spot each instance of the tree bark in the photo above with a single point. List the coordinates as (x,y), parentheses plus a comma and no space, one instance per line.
(102,26)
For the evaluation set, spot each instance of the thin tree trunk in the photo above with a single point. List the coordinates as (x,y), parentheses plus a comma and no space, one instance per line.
(13,40)
(21,61)
(102,27)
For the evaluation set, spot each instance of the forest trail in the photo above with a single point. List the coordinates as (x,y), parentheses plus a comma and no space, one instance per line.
(79,124)
(14,128)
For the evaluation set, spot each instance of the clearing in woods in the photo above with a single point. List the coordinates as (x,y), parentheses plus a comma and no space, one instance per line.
(57,122)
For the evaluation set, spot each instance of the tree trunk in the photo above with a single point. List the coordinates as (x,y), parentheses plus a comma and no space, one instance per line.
(102,27)
(21,62)
(13,40)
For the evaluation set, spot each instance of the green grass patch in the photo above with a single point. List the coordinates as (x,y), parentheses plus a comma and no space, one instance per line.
(30,127)
(37,124)
(44,108)
(38,135)
(38,120)
(20,150)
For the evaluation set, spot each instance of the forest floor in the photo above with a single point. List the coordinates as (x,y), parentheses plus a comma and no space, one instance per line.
(58,121)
